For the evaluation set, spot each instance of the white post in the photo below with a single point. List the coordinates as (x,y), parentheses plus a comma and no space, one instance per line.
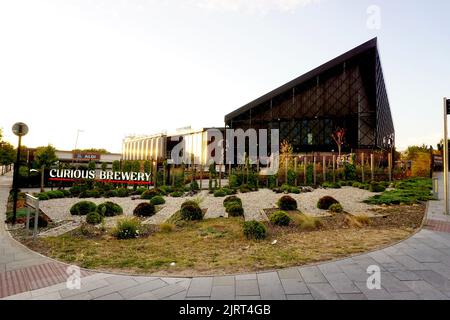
(445,158)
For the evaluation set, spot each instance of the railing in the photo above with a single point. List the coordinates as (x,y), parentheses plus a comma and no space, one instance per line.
(32,204)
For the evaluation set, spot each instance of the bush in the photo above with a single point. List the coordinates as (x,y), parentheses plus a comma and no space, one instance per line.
(254,230)
(157,200)
(331,185)
(82,208)
(177,194)
(193,186)
(144,209)
(295,190)
(123,192)
(94,193)
(230,199)
(234,209)
(166,227)
(285,188)
(75,190)
(109,209)
(111,194)
(127,228)
(43,196)
(336,208)
(324,203)
(93,218)
(148,194)
(66,193)
(220,193)
(139,191)
(356,185)
(55,194)
(376,187)
(280,218)
(244,188)
(309,223)
(228,191)
(189,203)
(164,190)
(287,203)
(191,212)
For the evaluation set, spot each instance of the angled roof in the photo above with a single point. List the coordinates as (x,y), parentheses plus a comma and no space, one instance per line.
(305,77)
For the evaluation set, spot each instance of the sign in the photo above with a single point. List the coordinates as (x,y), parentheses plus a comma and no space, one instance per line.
(437,159)
(448,106)
(101,176)
(82,156)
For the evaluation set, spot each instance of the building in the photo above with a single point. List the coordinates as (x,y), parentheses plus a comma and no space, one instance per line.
(347,92)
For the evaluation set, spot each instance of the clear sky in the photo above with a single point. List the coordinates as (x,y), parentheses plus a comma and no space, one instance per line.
(113,68)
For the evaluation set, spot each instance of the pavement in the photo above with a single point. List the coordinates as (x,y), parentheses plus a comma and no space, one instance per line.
(416,268)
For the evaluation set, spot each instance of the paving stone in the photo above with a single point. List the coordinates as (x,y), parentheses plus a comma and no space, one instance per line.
(406,275)
(352,296)
(177,296)
(249,276)
(198,298)
(440,268)
(425,291)
(291,273)
(409,262)
(299,297)
(270,287)
(222,293)
(166,291)
(374,294)
(329,268)
(322,291)
(312,275)
(99,292)
(355,272)
(405,295)
(341,283)
(128,293)
(392,284)
(223,281)
(85,287)
(248,298)
(200,287)
(48,296)
(437,280)
(80,296)
(111,296)
(247,288)
(293,286)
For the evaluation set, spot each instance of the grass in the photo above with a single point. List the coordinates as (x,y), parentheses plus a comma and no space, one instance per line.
(407,192)
(218,246)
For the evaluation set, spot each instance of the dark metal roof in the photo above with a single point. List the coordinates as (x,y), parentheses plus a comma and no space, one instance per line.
(305,77)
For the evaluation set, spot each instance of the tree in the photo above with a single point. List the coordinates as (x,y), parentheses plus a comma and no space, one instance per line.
(116,165)
(45,157)
(339,138)
(7,153)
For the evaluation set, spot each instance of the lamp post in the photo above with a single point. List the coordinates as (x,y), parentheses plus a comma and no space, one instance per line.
(19,129)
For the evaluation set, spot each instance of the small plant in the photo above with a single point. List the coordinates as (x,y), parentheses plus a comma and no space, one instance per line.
(82,208)
(219,193)
(193,186)
(144,209)
(66,193)
(139,191)
(287,203)
(148,194)
(56,194)
(43,196)
(376,187)
(191,212)
(356,185)
(110,194)
(363,219)
(295,190)
(285,188)
(166,227)
(93,218)
(123,192)
(177,194)
(156,200)
(244,188)
(336,208)
(325,202)
(127,228)
(230,199)
(309,223)
(331,185)
(254,230)
(109,209)
(280,218)
(234,209)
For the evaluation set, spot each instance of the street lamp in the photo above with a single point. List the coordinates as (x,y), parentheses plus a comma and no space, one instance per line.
(19,129)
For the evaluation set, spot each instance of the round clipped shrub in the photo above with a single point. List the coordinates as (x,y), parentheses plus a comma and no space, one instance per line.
(295,190)
(82,208)
(43,196)
(254,230)
(280,218)
(177,194)
(110,193)
(336,208)
(191,212)
(220,193)
(157,200)
(127,228)
(376,187)
(230,199)
(55,194)
(325,202)
(109,209)
(66,193)
(123,192)
(287,203)
(93,217)
(189,203)
(234,209)
(244,188)
(144,209)
(75,190)
(148,194)
(356,185)
(139,191)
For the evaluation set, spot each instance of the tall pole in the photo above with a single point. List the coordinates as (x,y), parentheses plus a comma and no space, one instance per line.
(15,182)
(445,158)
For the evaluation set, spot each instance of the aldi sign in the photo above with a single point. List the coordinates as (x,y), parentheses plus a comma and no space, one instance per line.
(82,156)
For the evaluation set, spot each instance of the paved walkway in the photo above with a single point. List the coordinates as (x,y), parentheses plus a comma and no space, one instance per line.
(417,268)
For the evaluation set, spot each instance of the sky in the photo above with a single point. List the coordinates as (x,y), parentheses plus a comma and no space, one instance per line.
(116,68)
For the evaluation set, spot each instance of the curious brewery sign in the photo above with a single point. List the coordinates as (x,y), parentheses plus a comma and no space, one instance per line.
(102,176)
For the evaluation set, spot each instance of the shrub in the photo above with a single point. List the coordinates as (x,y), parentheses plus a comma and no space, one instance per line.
(285,188)
(109,209)
(220,193)
(336,208)
(94,193)
(55,194)
(325,202)
(144,209)
(254,230)
(332,185)
(123,192)
(193,186)
(148,194)
(191,212)
(177,194)
(234,209)
(309,223)
(75,190)
(93,218)
(127,228)
(244,188)
(157,200)
(295,190)
(189,203)
(287,203)
(228,191)
(230,199)
(43,196)
(82,208)
(376,187)
(164,190)
(111,193)
(66,193)
(139,191)
(280,218)
(356,185)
